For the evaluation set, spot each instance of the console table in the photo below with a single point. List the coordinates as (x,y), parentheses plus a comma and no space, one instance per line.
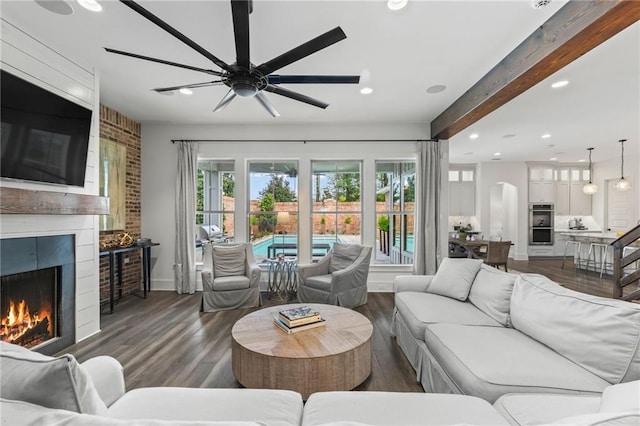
(115,255)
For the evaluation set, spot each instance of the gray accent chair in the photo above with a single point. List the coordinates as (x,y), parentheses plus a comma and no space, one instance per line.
(339,278)
(230,278)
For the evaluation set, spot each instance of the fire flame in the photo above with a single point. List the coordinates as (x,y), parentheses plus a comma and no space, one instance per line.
(19,320)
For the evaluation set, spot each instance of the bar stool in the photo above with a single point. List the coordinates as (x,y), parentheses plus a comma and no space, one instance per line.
(603,250)
(576,254)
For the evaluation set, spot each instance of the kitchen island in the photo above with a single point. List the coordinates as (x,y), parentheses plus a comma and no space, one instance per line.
(592,261)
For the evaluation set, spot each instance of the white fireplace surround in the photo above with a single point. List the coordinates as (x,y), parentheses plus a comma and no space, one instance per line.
(44,66)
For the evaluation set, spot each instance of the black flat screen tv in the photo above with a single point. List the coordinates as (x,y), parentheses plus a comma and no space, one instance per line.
(45,137)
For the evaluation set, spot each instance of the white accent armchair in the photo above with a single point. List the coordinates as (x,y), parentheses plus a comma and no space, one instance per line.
(339,278)
(230,278)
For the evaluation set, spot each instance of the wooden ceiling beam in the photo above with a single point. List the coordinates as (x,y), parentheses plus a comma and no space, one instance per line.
(575,29)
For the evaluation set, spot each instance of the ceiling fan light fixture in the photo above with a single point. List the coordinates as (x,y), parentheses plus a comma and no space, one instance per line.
(622,184)
(396,4)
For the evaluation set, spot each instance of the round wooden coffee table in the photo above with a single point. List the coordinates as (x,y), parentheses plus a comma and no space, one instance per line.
(336,356)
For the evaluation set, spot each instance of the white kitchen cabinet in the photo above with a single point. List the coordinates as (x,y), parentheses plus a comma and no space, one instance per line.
(541,173)
(542,192)
(562,204)
(560,242)
(462,199)
(546,251)
(580,203)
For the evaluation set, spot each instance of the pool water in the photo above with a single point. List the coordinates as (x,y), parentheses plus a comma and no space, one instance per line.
(260,248)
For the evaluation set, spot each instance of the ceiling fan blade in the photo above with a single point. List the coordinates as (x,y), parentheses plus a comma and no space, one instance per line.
(225,101)
(262,99)
(177,34)
(189,86)
(240,11)
(304,50)
(295,95)
(162,61)
(313,79)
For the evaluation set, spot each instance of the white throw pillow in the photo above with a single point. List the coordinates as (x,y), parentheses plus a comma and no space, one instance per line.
(343,256)
(43,380)
(228,260)
(621,397)
(454,278)
(491,293)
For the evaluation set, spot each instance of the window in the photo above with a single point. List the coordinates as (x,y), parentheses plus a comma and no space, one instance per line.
(336,204)
(215,203)
(273,208)
(395,211)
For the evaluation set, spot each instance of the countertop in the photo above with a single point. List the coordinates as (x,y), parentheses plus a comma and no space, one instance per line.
(592,234)
(577,231)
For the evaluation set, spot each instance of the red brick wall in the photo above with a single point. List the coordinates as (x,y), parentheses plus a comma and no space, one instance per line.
(121,129)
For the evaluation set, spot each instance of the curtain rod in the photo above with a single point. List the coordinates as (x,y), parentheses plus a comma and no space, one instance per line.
(303,140)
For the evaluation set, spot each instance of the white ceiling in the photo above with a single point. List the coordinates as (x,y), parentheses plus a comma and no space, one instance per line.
(428,43)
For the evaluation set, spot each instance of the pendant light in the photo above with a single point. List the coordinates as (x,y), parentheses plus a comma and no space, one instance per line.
(622,184)
(590,188)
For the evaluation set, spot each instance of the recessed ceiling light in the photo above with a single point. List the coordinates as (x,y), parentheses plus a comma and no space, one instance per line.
(546,136)
(497,154)
(91,5)
(58,7)
(581,160)
(186,91)
(366,90)
(396,4)
(560,83)
(509,135)
(474,136)
(553,159)
(436,89)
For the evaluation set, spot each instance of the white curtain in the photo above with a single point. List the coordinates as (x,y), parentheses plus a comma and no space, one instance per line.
(427,254)
(185,256)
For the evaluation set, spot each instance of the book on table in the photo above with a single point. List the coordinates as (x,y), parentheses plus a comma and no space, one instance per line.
(299,316)
(289,330)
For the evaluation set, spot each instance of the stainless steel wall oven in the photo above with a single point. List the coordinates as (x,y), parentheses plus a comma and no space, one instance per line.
(541,224)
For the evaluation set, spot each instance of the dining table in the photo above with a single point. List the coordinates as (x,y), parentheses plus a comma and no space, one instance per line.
(471,245)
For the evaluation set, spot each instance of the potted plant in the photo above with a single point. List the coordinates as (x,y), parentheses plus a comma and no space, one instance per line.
(347,222)
(323,224)
(254,222)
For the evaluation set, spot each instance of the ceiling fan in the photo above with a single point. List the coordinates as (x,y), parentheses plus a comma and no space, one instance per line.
(242,77)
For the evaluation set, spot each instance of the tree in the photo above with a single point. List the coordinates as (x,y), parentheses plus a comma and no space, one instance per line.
(199,196)
(278,187)
(346,185)
(410,189)
(228,184)
(267,204)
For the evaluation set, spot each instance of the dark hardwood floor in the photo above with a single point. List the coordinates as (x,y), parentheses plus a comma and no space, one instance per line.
(165,341)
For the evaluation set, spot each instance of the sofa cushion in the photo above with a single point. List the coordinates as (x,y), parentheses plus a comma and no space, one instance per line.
(539,408)
(236,282)
(601,335)
(272,407)
(454,277)
(343,256)
(621,397)
(397,408)
(319,282)
(43,380)
(24,413)
(492,361)
(420,309)
(601,419)
(491,293)
(228,260)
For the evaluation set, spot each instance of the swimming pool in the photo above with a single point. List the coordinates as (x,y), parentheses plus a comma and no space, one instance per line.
(261,248)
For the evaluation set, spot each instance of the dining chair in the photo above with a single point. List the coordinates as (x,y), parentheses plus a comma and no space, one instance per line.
(496,255)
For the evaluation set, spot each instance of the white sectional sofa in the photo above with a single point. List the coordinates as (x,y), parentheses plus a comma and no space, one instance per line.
(39,390)
(474,330)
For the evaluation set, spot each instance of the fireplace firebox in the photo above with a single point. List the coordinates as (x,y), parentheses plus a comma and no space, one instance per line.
(37,292)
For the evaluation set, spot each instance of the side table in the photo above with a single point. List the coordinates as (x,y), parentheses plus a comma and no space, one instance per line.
(283,277)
